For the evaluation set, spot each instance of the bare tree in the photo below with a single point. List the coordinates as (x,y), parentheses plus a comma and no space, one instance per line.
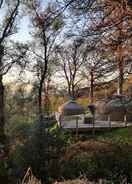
(71,58)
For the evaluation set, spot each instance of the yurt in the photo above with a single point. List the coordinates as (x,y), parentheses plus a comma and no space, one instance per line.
(71,108)
(116,109)
(129,111)
(69,111)
(100,106)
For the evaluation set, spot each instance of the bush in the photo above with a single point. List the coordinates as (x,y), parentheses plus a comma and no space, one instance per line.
(42,152)
(113,163)
(3,172)
(19,129)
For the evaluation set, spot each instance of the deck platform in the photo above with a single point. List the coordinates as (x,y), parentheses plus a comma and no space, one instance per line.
(99,125)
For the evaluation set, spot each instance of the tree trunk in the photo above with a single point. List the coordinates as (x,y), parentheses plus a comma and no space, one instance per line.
(120,70)
(40,101)
(3,138)
(91,87)
(121,78)
(46,98)
(43,75)
(40,90)
(120,62)
(73,91)
(69,91)
(2,116)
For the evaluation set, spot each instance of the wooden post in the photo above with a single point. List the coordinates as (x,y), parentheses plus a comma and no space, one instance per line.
(60,120)
(94,124)
(100,181)
(125,120)
(109,122)
(77,128)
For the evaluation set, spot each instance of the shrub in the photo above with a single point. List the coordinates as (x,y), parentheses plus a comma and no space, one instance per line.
(3,172)
(19,129)
(42,152)
(113,162)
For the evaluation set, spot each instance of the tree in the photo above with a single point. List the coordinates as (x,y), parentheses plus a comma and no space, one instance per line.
(111,21)
(7,29)
(48,24)
(97,70)
(71,58)
(115,26)
(49,86)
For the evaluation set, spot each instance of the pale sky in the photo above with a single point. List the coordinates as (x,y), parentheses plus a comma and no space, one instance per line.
(25,27)
(23,35)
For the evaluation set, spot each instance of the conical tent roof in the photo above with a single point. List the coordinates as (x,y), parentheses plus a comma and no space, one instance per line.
(71,108)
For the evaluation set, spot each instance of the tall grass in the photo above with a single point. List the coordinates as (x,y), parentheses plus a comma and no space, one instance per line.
(29,178)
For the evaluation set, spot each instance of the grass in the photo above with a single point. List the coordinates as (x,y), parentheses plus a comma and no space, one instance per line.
(29,178)
(121,134)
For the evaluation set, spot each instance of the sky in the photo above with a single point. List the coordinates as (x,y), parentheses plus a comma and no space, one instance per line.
(24,24)
(25,27)
(24,30)
(23,35)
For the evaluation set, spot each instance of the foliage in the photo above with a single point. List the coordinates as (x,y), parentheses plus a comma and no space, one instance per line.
(113,163)
(3,167)
(84,101)
(19,128)
(42,152)
(3,171)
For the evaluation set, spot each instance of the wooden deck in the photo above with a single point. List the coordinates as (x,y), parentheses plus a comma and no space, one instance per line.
(99,125)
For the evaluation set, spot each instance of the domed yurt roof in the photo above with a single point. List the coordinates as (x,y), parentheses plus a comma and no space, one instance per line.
(118,103)
(71,108)
(129,105)
(116,107)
